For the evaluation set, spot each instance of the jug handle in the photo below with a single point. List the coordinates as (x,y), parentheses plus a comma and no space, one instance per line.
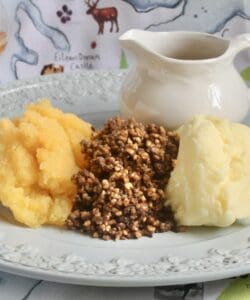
(238,44)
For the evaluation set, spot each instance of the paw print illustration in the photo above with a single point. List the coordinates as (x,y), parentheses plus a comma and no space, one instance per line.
(64,14)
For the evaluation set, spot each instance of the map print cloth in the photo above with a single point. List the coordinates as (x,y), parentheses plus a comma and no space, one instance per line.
(44,36)
(40,37)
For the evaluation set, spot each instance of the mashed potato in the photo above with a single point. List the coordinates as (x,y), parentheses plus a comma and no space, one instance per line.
(210,184)
(39,153)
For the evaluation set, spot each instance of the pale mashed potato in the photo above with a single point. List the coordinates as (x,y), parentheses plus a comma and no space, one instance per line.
(210,184)
(39,153)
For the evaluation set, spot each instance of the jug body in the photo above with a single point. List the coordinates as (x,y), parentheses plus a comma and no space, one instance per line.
(171,90)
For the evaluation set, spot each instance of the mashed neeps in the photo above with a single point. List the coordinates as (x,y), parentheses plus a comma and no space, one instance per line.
(39,153)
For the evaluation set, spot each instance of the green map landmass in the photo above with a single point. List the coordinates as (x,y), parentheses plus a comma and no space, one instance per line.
(123,61)
(246,73)
(238,289)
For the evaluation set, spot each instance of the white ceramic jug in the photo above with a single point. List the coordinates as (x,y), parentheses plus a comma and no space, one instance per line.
(181,74)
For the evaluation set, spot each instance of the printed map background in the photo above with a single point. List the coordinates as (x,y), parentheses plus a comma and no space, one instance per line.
(47,36)
(58,36)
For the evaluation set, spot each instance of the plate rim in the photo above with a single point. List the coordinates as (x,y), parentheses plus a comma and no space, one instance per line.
(221,271)
(217,263)
(25,271)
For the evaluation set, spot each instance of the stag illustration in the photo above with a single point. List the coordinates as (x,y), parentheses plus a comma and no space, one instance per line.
(102,15)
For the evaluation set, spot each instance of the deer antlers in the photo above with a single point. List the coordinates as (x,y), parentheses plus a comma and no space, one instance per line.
(88,2)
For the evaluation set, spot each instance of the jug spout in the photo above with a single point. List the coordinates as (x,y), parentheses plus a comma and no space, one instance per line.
(139,42)
(132,39)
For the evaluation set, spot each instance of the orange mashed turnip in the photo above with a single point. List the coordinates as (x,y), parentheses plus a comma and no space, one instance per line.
(39,153)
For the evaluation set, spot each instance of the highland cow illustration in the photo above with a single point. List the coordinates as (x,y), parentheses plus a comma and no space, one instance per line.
(3,41)
(51,69)
(102,15)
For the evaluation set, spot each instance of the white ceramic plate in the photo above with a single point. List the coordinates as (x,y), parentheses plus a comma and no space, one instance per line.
(55,254)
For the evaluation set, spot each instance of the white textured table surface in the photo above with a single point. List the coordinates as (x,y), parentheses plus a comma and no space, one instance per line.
(20,288)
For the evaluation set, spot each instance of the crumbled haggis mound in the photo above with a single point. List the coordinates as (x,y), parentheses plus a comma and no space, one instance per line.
(120,195)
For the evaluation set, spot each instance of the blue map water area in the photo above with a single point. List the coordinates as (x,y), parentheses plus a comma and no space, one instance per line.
(199,15)
(29,56)
(147,5)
